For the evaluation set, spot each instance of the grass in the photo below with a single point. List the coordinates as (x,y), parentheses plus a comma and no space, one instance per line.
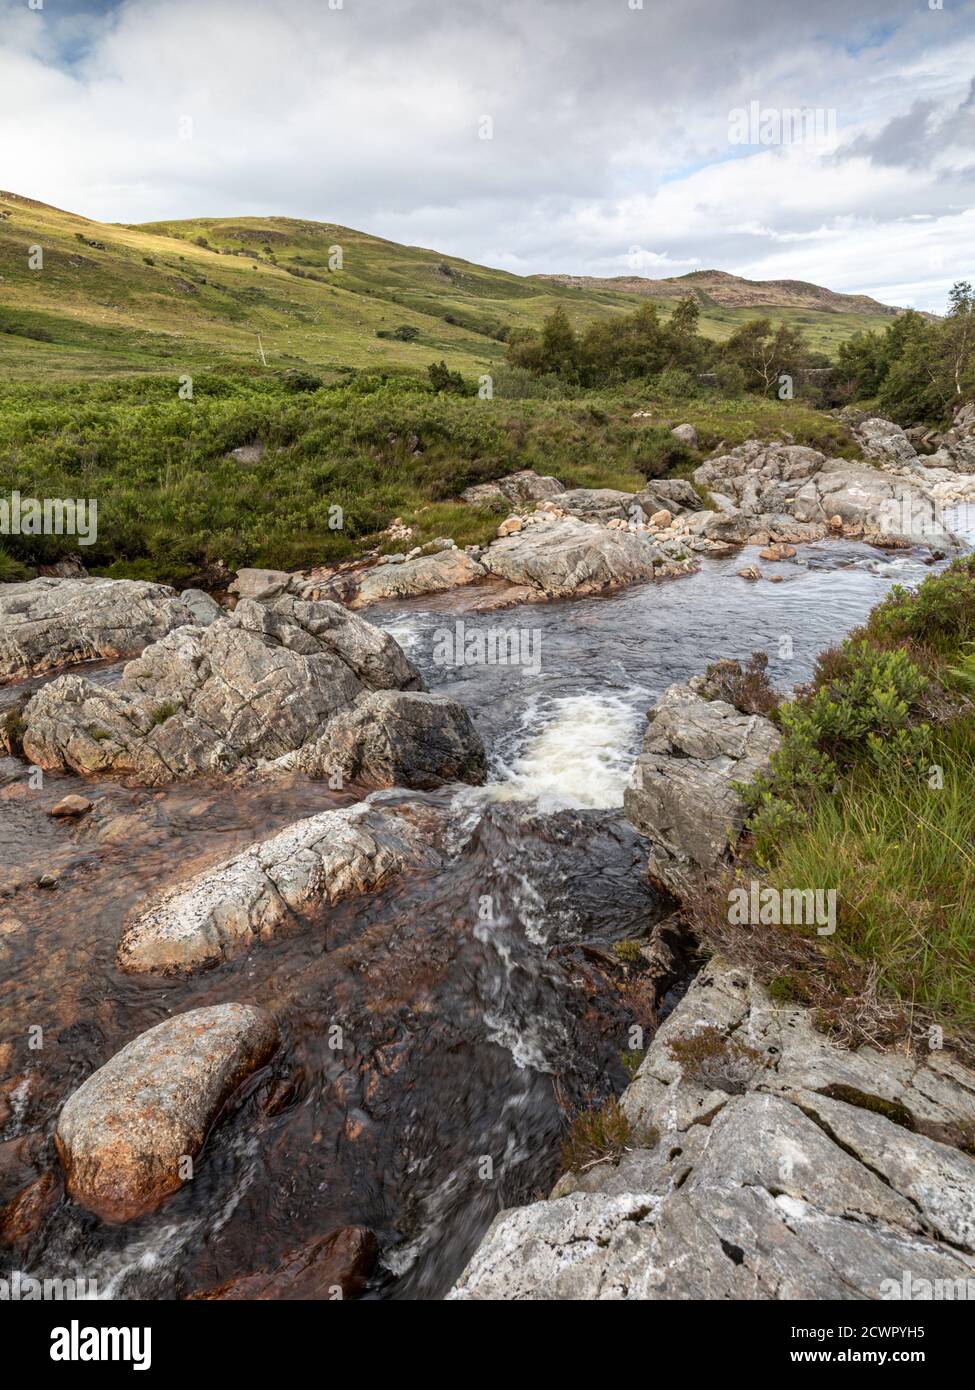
(172,501)
(899,851)
(870,798)
(600,1134)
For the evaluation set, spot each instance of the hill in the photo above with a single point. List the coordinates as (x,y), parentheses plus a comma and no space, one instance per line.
(210,294)
(718,287)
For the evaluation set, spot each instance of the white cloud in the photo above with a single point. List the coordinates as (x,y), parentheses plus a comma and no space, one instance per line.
(610,127)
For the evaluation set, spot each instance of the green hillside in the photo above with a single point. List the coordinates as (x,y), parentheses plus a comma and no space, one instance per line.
(213,294)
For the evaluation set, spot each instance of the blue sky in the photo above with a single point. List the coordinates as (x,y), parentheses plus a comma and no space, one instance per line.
(610,127)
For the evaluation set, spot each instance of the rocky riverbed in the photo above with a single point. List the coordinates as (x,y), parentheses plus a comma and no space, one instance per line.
(411,985)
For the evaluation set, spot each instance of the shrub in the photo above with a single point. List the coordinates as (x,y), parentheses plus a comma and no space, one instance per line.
(746,687)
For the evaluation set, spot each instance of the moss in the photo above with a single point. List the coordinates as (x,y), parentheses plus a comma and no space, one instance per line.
(12,729)
(891,1110)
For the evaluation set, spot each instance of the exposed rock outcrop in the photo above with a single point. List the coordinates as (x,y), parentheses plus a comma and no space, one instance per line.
(268,887)
(884,441)
(48,623)
(682,794)
(124,1136)
(779,1167)
(264,682)
(596,503)
(427,574)
(790,493)
(516,488)
(568,557)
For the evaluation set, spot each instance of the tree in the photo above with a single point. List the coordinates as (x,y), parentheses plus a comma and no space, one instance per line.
(960,332)
(765,353)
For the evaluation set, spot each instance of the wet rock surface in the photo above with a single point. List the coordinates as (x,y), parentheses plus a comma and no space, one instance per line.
(47,623)
(336,1266)
(125,1134)
(768,1188)
(267,888)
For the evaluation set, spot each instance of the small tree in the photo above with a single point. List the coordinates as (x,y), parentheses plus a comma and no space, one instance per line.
(960,331)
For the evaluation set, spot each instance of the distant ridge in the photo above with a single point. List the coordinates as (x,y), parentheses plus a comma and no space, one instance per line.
(731,291)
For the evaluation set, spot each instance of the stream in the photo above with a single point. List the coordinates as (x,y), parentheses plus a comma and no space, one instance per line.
(472,1009)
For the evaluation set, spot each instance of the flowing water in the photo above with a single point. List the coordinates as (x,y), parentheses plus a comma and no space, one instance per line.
(474,1000)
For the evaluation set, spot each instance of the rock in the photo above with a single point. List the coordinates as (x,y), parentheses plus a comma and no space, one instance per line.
(70,806)
(675,495)
(779,551)
(511,526)
(11,770)
(396,738)
(570,557)
(779,1189)
(203,609)
(48,623)
(597,503)
(518,488)
(790,494)
(26,1211)
(124,1135)
(687,434)
(260,584)
(248,453)
(265,681)
(70,567)
(266,888)
(751,572)
(334,1267)
(428,574)
(682,794)
(661,519)
(883,440)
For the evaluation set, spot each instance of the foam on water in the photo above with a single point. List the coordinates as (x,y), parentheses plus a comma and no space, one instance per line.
(581,756)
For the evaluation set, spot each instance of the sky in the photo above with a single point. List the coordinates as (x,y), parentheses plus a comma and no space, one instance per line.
(592,137)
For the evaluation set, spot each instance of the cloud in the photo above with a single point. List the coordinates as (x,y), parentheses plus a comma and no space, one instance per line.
(609,126)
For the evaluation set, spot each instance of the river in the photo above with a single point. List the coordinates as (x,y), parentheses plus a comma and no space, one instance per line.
(473,1012)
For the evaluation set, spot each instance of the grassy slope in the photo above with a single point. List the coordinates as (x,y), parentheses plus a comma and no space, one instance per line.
(106,310)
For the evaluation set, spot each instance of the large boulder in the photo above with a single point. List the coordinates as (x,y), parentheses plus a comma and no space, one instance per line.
(427,574)
(770,1164)
(669,494)
(597,503)
(48,623)
(884,441)
(568,557)
(266,888)
(260,684)
(124,1137)
(682,794)
(516,489)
